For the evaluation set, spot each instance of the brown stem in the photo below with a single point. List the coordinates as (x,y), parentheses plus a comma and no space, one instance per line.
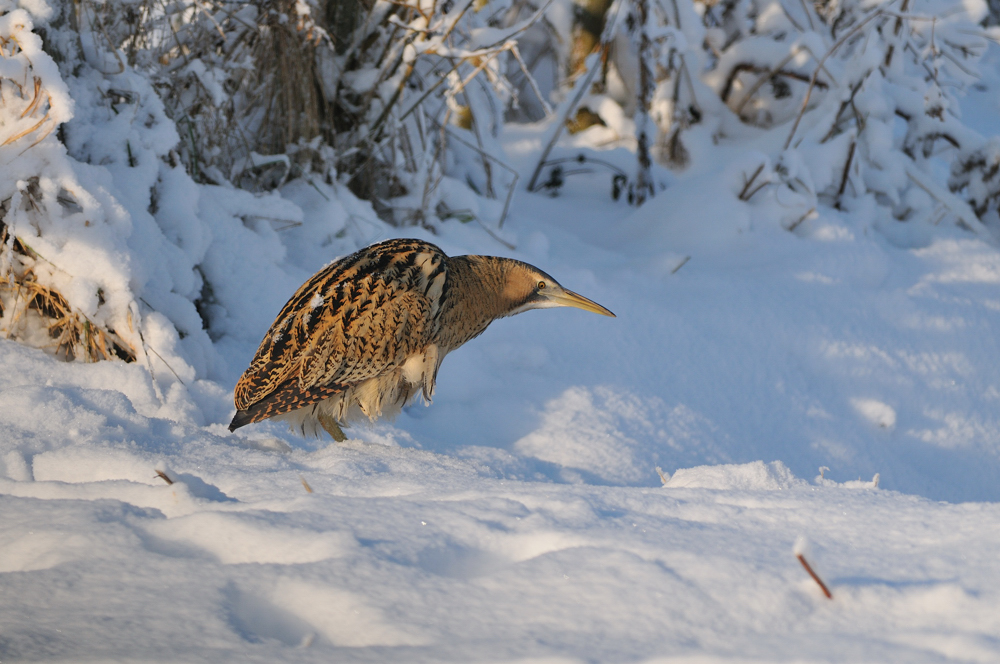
(580,87)
(812,82)
(766,75)
(799,221)
(815,577)
(898,28)
(847,168)
(643,180)
(746,187)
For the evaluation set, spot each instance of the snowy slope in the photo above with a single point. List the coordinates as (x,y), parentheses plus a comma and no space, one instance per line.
(502,539)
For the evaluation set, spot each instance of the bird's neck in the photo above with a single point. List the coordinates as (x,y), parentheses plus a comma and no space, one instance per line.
(475,295)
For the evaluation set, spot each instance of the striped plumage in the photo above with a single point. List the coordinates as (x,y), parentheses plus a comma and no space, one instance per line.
(367,333)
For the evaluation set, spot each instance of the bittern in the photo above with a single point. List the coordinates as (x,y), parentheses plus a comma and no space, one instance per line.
(367,334)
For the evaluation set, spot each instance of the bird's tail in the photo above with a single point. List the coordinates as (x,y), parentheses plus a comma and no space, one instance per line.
(241,419)
(288,397)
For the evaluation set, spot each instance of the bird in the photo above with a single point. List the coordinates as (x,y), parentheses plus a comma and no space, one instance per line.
(366,334)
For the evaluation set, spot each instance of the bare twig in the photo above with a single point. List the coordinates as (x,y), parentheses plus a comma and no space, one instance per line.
(25,132)
(746,187)
(516,52)
(813,79)
(497,161)
(643,123)
(814,575)
(791,20)
(799,221)
(805,8)
(163,476)
(896,31)
(766,76)
(36,100)
(966,216)
(494,235)
(579,89)
(153,350)
(847,171)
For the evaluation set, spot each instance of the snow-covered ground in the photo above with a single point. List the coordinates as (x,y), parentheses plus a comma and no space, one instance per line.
(583,489)
(521,517)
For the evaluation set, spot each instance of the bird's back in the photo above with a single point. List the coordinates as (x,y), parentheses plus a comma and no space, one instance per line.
(356,319)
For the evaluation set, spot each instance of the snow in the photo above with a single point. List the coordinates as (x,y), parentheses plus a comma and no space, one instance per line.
(521,517)
(785,377)
(406,554)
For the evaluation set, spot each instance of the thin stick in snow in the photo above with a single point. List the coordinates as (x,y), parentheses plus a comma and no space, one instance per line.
(822,586)
(746,186)
(801,546)
(847,172)
(305,485)
(163,476)
(799,221)
(153,350)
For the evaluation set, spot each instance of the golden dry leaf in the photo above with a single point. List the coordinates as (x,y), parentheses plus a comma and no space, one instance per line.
(463,117)
(585,118)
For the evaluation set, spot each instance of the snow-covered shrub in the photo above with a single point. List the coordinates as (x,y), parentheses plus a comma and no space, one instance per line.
(842,100)
(865,94)
(107,241)
(49,293)
(392,97)
(975,172)
(238,78)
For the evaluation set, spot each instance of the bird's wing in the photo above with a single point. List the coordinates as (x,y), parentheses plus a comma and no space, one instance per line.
(354,319)
(363,340)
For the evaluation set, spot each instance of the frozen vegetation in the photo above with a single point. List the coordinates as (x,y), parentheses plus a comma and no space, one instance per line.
(805,359)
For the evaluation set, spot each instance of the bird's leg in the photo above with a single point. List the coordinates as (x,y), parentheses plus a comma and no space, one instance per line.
(331,427)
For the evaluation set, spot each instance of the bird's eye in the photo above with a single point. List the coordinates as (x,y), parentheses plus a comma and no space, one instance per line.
(541,285)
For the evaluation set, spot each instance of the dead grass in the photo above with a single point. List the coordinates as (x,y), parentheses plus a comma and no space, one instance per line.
(73,335)
(27,307)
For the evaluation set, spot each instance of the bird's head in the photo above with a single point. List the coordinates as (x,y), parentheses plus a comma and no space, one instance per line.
(526,287)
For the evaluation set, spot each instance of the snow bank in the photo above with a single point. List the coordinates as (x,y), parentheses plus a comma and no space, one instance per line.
(756,476)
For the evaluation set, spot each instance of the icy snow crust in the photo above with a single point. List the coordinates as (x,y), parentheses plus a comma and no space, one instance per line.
(582,490)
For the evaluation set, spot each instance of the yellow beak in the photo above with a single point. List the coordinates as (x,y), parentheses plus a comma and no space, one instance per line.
(567,298)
